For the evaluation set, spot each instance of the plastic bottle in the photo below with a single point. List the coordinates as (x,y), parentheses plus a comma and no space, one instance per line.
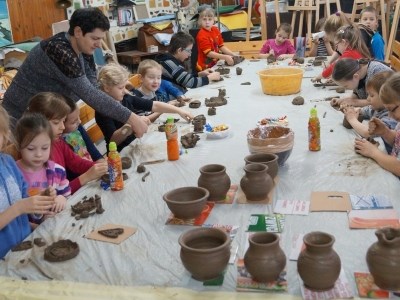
(115,168)
(314,138)
(171,132)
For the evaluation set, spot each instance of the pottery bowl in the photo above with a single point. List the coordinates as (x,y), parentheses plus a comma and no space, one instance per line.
(281,80)
(278,140)
(268,159)
(186,202)
(205,252)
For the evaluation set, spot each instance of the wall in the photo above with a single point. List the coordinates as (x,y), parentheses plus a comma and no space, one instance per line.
(36,19)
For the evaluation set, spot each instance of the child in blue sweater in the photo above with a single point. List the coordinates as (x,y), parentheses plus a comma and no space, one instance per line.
(14,204)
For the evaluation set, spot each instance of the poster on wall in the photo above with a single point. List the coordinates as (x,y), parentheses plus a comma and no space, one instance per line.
(5,26)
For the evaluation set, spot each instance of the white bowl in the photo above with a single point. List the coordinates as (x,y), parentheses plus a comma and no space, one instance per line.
(218,134)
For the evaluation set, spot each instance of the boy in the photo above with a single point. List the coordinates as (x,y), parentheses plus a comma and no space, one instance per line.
(179,51)
(369,18)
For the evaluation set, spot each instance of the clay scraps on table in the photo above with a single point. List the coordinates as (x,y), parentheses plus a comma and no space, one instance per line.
(87,207)
(217,101)
(22,246)
(246,83)
(112,233)
(189,140)
(61,251)
(223,71)
(39,242)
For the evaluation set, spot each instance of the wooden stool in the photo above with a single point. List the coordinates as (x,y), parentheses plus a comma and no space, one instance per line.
(305,8)
(327,3)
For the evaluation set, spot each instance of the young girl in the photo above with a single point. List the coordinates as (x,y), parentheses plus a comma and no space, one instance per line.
(390,95)
(375,109)
(348,44)
(210,45)
(321,46)
(54,107)
(280,47)
(112,79)
(353,74)
(33,136)
(14,201)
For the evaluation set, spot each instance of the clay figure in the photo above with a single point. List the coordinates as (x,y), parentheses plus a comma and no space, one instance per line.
(239,71)
(195,104)
(217,101)
(189,140)
(87,207)
(237,59)
(111,233)
(61,251)
(212,111)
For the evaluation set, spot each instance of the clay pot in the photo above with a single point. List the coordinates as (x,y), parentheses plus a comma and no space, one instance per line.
(205,252)
(186,202)
(264,259)
(383,259)
(318,264)
(215,180)
(256,183)
(268,159)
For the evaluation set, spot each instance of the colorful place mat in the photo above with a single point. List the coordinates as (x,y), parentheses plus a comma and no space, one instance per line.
(193,222)
(95,235)
(368,289)
(230,196)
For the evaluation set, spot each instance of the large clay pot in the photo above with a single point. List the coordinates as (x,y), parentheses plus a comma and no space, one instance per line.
(383,259)
(268,159)
(215,180)
(318,264)
(264,259)
(256,183)
(205,252)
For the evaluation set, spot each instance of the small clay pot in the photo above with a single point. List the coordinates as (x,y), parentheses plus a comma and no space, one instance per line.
(256,183)
(61,251)
(268,159)
(205,252)
(383,259)
(214,178)
(318,264)
(264,259)
(186,202)
(239,71)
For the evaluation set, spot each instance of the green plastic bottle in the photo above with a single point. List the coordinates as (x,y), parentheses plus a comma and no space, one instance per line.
(314,131)
(115,168)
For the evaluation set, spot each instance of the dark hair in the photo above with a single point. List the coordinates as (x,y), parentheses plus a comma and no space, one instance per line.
(345,68)
(285,27)
(377,80)
(29,127)
(180,40)
(51,105)
(71,103)
(353,36)
(88,19)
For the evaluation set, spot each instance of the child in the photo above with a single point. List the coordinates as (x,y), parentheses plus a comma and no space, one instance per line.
(76,136)
(33,135)
(369,18)
(210,45)
(321,46)
(348,43)
(375,109)
(54,107)
(280,47)
(353,74)
(390,96)
(112,79)
(14,201)
(179,51)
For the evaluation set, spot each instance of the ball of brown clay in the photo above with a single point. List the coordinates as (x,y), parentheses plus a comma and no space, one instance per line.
(126,163)
(299,100)
(340,90)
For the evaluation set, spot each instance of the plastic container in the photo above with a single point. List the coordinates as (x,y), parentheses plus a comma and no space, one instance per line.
(171,132)
(115,168)
(281,81)
(314,131)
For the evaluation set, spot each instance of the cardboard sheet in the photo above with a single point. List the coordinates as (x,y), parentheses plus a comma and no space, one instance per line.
(95,235)
(330,201)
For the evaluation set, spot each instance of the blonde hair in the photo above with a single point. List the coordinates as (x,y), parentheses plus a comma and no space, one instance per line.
(147,64)
(51,105)
(207,12)
(352,35)
(390,90)
(4,127)
(29,127)
(335,21)
(112,75)
(377,80)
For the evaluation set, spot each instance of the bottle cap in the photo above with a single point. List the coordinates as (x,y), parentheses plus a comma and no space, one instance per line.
(313,112)
(112,146)
(170,120)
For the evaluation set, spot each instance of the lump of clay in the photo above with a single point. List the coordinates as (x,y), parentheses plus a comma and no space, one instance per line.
(299,100)
(271,59)
(141,168)
(87,207)
(200,118)
(111,233)
(126,163)
(39,242)
(298,59)
(195,104)
(22,246)
(189,140)
(217,101)
(239,71)
(61,251)
(106,177)
(237,59)
(212,111)
(223,71)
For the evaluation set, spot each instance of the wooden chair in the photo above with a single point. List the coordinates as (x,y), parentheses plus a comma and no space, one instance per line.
(394,57)
(86,114)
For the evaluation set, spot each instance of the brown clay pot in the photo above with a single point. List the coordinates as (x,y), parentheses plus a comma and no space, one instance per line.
(205,252)
(264,259)
(186,202)
(268,159)
(215,180)
(256,183)
(383,259)
(318,264)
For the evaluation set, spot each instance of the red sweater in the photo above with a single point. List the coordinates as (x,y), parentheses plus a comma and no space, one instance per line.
(62,154)
(348,53)
(207,40)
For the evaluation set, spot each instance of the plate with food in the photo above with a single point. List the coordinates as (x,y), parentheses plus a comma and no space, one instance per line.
(219,131)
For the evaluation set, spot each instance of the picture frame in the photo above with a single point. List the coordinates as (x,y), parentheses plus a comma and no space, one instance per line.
(141,11)
(125,16)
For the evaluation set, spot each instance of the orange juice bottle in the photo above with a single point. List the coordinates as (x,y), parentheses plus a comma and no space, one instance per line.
(115,168)
(314,137)
(171,132)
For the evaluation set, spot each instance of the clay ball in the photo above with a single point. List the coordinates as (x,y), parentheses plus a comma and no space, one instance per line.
(299,100)
(126,162)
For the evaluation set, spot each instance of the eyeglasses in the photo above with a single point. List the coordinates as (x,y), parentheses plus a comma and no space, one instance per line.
(188,51)
(394,109)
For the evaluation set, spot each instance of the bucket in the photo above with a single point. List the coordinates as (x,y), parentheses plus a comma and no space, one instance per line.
(281,81)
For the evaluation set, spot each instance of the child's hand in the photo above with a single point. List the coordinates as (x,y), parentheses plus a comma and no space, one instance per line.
(146,120)
(365,148)
(40,205)
(351,113)
(376,127)
(49,191)
(60,203)
(336,101)
(317,78)
(97,170)
(186,115)
(229,60)
(214,76)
